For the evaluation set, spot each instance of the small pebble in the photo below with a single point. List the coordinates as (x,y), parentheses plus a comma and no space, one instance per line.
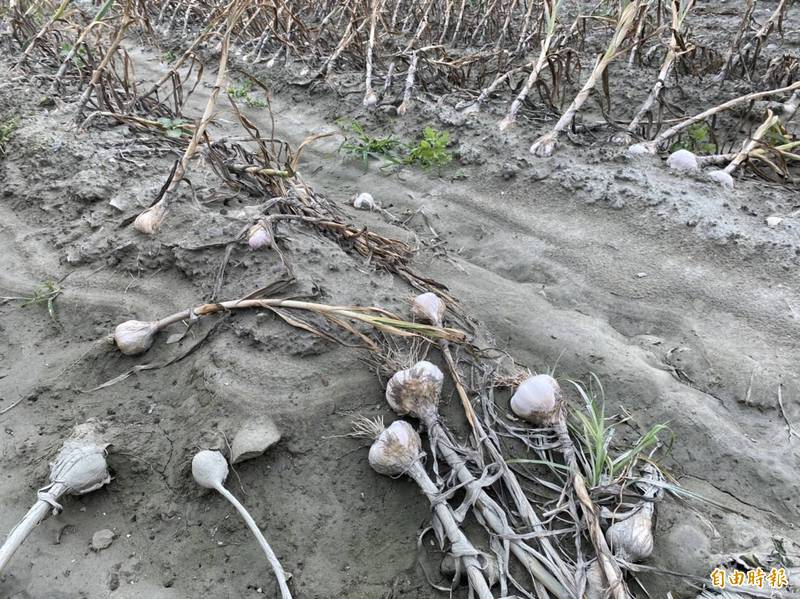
(253,439)
(102,539)
(774,221)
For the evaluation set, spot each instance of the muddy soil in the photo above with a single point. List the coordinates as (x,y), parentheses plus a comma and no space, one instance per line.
(673,291)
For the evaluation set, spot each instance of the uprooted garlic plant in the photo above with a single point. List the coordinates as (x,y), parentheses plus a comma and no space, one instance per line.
(397,450)
(210,469)
(79,468)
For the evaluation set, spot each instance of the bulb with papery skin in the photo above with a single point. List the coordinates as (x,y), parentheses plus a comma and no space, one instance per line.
(134,336)
(258,237)
(209,469)
(396,449)
(632,539)
(415,390)
(81,467)
(429,307)
(538,400)
(149,221)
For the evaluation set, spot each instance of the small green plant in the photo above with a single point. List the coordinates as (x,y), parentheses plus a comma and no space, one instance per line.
(697,140)
(168,57)
(175,128)
(7,129)
(79,56)
(364,146)
(776,136)
(594,435)
(431,150)
(46,293)
(242,92)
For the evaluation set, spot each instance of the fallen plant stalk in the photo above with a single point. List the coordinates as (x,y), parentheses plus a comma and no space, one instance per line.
(660,141)
(149,221)
(135,337)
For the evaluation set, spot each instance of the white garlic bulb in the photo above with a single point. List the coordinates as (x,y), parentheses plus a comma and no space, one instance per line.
(538,400)
(396,449)
(370,99)
(683,160)
(258,237)
(365,201)
(415,390)
(150,220)
(134,336)
(209,469)
(80,466)
(429,307)
(632,538)
(722,178)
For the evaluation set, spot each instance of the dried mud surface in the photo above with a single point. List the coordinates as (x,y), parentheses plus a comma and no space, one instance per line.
(674,292)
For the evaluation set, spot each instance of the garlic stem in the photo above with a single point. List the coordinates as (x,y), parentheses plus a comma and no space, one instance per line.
(464,549)
(492,513)
(31,520)
(251,524)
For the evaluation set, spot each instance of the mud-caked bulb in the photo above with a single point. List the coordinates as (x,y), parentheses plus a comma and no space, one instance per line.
(134,336)
(632,539)
(396,449)
(538,400)
(81,467)
(416,390)
(209,469)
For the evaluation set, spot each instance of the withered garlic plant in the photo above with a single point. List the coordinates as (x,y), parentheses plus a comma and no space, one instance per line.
(79,468)
(416,392)
(397,450)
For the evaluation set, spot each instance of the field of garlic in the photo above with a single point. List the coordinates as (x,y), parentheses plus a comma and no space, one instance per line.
(488,298)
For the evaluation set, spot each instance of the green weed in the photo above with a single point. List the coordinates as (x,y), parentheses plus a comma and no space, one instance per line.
(175,128)
(696,140)
(44,294)
(7,129)
(594,433)
(431,150)
(364,146)
(242,92)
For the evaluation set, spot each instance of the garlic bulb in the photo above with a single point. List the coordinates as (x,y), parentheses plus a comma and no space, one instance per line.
(721,177)
(80,466)
(396,449)
(538,400)
(415,390)
(365,201)
(682,160)
(632,538)
(209,469)
(134,336)
(370,99)
(150,220)
(429,307)
(258,237)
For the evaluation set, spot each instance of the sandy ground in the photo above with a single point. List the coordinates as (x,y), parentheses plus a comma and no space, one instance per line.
(674,292)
